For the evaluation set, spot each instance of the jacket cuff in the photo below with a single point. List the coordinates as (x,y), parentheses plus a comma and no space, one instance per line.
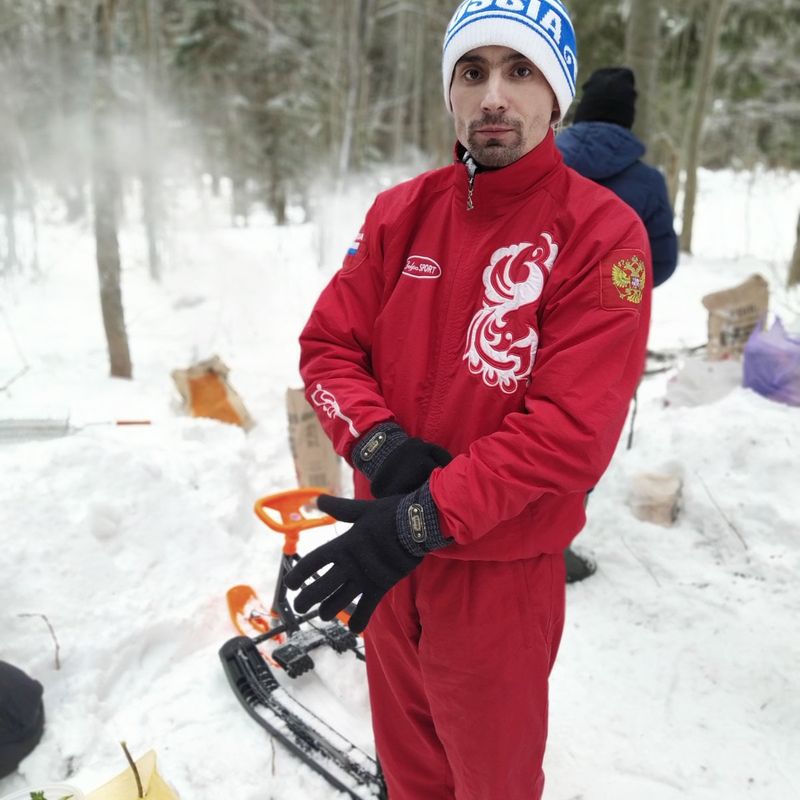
(417,523)
(371,450)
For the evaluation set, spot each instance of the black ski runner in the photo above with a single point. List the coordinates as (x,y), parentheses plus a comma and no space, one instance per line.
(327,752)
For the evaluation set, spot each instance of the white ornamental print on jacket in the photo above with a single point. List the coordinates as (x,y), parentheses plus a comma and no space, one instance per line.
(501,346)
(329,404)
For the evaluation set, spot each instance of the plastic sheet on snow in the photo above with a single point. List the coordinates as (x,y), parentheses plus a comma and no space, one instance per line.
(772,364)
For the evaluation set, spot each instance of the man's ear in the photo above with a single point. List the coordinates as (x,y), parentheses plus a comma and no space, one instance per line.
(554,116)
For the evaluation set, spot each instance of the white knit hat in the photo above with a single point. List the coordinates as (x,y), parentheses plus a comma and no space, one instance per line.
(539,29)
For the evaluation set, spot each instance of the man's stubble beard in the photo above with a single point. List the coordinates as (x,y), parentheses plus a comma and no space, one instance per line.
(494,152)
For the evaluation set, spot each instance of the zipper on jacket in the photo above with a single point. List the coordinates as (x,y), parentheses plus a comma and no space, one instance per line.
(472,168)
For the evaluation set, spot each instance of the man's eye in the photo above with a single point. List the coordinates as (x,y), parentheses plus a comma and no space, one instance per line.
(471,74)
(523,72)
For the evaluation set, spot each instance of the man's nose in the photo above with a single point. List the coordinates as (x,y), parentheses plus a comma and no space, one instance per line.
(495,97)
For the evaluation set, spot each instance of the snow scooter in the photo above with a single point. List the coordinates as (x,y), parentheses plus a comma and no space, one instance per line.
(248,661)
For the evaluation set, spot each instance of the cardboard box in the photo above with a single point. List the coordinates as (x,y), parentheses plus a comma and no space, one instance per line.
(733,315)
(206,392)
(315,461)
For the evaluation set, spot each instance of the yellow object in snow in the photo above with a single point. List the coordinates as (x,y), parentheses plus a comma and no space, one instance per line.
(123,787)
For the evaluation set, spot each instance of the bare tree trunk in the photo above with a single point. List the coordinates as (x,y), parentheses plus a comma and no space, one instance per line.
(214,120)
(236,163)
(356,35)
(338,57)
(351,103)
(105,186)
(702,83)
(417,81)
(29,194)
(70,175)
(400,87)
(151,174)
(21,164)
(368,122)
(8,209)
(678,70)
(642,50)
(439,125)
(15,169)
(669,160)
(278,201)
(794,265)
(56,52)
(7,185)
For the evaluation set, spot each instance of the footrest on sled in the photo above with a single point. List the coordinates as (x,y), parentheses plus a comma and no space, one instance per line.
(339,638)
(292,659)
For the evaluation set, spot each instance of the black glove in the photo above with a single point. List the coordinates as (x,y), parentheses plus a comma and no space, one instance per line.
(395,463)
(388,539)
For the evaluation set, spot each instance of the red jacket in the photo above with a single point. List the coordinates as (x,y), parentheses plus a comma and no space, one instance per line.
(513,334)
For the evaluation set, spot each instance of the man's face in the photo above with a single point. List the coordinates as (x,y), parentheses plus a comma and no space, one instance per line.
(502,105)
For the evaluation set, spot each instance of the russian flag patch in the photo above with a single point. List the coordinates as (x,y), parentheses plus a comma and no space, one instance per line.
(356,244)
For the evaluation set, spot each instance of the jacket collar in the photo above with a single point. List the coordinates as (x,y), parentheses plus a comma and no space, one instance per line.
(495,188)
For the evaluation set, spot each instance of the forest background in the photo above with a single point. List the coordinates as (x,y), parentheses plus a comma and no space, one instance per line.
(115,102)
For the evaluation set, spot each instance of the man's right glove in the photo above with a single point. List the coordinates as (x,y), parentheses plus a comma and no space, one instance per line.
(395,463)
(388,540)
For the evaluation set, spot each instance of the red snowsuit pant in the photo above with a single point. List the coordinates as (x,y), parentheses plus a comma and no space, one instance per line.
(458,659)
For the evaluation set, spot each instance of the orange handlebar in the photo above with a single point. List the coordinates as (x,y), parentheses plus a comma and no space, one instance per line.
(289,506)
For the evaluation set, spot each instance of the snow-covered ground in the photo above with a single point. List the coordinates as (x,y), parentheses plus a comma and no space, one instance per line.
(677,675)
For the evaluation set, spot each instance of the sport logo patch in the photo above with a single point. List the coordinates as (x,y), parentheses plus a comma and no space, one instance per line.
(422,267)
(623,278)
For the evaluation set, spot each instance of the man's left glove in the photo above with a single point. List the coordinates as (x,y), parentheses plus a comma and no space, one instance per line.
(394,462)
(388,540)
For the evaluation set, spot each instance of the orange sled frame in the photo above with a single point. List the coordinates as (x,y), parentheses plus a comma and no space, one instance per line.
(295,509)
(248,667)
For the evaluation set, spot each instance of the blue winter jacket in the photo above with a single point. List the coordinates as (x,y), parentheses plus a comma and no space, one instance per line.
(609,155)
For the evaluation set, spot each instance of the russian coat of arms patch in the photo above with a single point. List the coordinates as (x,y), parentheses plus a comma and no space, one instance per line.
(623,277)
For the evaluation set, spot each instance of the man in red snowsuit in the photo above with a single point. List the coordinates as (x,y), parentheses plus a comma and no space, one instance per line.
(474,359)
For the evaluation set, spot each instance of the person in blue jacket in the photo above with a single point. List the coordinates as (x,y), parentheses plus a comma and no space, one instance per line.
(601,146)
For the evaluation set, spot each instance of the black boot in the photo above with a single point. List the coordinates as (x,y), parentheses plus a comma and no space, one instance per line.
(577,566)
